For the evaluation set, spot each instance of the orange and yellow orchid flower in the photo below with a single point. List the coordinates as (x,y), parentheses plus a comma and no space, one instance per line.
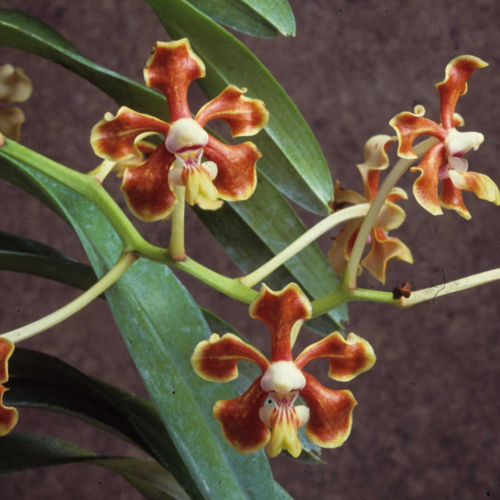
(230,173)
(8,416)
(15,86)
(246,422)
(444,161)
(382,247)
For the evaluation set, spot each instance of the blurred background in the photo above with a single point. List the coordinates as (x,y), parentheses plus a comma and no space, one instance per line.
(427,424)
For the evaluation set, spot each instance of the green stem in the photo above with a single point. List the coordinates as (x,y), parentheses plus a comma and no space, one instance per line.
(300,243)
(176,249)
(132,241)
(123,263)
(351,272)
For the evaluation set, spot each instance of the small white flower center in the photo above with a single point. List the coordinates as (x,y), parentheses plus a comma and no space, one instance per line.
(454,163)
(185,134)
(283,377)
(459,143)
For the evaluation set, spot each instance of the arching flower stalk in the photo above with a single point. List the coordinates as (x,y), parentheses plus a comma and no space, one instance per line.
(229,173)
(444,161)
(8,416)
(15,86)
(247,423)
(382,247)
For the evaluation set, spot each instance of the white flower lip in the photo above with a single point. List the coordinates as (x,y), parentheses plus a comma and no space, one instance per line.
(185,134)
(459,143)
(283,377)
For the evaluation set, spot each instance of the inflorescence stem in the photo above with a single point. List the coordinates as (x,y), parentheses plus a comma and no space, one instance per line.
(176,250)
(351,272)
(300,243)
(20,334)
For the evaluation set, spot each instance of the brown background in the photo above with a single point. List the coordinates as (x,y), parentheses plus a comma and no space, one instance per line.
(427,423)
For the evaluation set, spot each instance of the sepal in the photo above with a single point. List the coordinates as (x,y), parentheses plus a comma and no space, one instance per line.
(8,416)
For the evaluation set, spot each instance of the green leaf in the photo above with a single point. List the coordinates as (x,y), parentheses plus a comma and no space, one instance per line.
(292,158)
(245,234)
(32,257)
(262,18)
(248,372)
(19,452)
(161,325)
(24,32)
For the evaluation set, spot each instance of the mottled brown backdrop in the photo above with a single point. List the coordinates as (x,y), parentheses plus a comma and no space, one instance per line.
(427,424)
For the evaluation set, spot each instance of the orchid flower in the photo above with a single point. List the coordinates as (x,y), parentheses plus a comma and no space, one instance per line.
(246,422)
(444,161)
(15,86)
(382,247)
(8,416)
(230,173)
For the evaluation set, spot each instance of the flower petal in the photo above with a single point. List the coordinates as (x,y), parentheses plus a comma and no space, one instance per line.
(339,254)
(147,187)
(481,185)
(236,177)
(244,116)
(347,357)
(8,416)
(216,359)
(240,422)
(171,67)
(451,198)
(330,419)
(390,216)
(114,137)
(409,126)
(376,160)
(284,423)
(425,187)
(281,311)
(198,184)
(344,197)
(454,85)
(11,120)
(384,249)
(15,86)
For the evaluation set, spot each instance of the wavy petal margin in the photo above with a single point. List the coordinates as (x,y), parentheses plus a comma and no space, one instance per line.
(409,126)
(171,68)
(330,419)
(383,250)
(458,72)
(216,359)
(479,184)
(245,116)
(338,255)
(425,188)
(280,311)
(147,187)
(451,198)
(8,416)
(347,357)
(114,138)
(236,175)
(240,422)
(376,160)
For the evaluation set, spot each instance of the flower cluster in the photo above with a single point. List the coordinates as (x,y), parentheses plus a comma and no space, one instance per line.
(247,423)
(15,86)
(8,416)
(149,176)
(444,161)
(382,247)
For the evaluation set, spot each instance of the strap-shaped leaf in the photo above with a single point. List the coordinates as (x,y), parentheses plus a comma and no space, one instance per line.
(22,451)
(266,219)
(25,255)
(161,324)
(292,158)
(262,18)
